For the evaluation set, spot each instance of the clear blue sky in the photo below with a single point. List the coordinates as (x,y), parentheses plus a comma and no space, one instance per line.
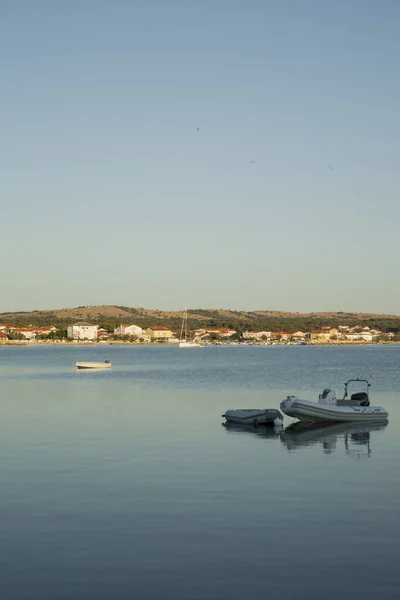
(229,153)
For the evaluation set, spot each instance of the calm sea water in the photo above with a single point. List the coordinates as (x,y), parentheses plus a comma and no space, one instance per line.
(124,484)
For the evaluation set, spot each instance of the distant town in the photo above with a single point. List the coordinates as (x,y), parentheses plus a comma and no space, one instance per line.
(85,332)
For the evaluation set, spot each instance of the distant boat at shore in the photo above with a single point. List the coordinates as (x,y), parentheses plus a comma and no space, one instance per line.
(93,365)
(184,343)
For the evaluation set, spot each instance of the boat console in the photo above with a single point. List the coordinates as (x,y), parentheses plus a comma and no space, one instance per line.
(359,398)
(328,396)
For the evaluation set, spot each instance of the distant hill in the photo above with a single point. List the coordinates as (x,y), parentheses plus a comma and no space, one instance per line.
(111,316)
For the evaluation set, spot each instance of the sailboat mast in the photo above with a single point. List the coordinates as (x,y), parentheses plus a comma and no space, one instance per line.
(182,326)
(186,321)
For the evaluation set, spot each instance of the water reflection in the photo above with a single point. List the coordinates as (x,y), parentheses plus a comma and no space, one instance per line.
(356,437)
(264,431)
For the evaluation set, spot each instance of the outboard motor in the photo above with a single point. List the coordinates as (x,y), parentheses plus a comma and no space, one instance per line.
(327,397)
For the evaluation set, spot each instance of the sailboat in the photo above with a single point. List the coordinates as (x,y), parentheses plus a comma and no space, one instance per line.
(183,340)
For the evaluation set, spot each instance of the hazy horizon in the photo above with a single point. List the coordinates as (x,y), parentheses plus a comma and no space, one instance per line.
(239,153)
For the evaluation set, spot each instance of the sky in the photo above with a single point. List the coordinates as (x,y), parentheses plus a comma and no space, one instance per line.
(237,154)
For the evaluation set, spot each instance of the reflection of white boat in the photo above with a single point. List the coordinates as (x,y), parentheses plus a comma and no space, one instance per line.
(93,365)
(183,338)
(356,436)
(332,409)
(254,416)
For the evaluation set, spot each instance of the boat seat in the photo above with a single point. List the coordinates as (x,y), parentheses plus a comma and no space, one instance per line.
(359,396)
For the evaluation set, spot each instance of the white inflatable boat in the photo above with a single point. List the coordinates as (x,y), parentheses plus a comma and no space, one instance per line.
(332,409)
(254,416)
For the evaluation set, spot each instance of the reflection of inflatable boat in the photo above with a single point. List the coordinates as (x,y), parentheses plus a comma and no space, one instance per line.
(254,416)
(264,432)
(335,410)
(356,436)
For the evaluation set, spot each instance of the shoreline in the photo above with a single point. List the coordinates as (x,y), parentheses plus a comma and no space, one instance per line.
(336,344)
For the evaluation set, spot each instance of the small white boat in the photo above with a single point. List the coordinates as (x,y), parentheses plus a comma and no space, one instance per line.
(189,345)
(93,365)
(254,416)
(332,409)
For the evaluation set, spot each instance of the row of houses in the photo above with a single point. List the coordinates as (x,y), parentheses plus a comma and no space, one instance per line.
(88,331)
(30,332)
(160,332)
(323,334)
(84,331)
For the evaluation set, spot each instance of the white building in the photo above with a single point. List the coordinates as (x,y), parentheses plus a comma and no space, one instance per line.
(256,335)
(223,332)
(367,336)
(133,330)
(28,333)
(82,331)
(46,329)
